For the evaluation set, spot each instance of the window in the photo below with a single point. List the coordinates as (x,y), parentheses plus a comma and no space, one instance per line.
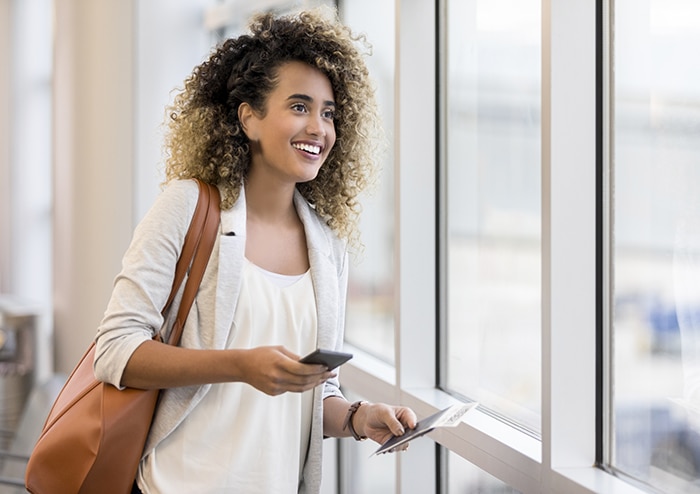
(492,211)
(465,477)
(26,223)
(371,295)
(654,242)
(171,41)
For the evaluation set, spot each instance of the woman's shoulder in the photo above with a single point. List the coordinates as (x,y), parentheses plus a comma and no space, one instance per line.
(181,188)
(178,196)
(172,208)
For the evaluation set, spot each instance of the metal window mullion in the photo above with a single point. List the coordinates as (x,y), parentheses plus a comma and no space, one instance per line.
(606,240)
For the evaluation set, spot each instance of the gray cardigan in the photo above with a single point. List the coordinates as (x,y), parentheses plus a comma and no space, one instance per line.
(142,287)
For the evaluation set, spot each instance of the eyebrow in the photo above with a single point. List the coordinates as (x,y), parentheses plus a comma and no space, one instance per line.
(306,97)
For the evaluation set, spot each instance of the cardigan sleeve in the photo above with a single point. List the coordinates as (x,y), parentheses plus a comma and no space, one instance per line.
(133,314)
(332,386)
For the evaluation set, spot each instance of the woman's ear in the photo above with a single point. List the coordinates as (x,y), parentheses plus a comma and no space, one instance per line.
(246,115)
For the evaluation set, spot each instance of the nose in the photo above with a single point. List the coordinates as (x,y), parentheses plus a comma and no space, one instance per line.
(316,126)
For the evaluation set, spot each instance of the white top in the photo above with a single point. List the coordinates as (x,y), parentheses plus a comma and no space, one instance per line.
(239,439)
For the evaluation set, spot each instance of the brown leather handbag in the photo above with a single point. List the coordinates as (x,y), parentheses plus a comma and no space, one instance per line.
(94,436)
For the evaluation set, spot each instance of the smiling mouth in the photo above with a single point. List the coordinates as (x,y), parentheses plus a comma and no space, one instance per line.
(308,148)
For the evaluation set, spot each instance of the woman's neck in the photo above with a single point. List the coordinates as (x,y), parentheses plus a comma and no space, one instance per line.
(270,203)
(275,235)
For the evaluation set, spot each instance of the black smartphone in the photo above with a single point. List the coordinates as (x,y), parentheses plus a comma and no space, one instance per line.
(329,358)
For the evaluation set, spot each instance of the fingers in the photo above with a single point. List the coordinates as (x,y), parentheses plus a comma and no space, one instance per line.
(397,419)
(395,426)
(276,370)
(382,422)
(399,449)
(278,384)
(407,417)
(298,378)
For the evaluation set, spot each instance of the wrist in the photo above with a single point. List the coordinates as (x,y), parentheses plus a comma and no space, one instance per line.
(239,366)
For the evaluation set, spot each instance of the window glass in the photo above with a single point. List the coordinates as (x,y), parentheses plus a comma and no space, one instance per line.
(492,183)
(26,219)
(370,309)
(465,477)
(656,242)
(231,16)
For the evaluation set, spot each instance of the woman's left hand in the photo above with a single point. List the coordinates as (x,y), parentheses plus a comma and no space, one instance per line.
(380,422)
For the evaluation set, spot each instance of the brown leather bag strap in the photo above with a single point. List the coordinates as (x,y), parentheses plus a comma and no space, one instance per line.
(192,238)
(205,238)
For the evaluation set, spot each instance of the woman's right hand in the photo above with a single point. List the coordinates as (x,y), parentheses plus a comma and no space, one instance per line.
(275,370)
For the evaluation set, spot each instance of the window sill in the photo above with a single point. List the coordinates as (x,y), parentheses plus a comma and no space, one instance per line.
(480,438)
(492,445)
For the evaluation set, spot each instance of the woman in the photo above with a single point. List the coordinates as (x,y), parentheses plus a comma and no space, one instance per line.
(279,120)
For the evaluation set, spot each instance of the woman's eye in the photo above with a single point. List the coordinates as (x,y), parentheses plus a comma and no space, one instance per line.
(300,107)
(330,114)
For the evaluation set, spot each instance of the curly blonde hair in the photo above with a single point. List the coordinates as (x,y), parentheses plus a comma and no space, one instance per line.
(205,139)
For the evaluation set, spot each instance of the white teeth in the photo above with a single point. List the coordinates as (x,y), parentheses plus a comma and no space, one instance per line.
(308,148)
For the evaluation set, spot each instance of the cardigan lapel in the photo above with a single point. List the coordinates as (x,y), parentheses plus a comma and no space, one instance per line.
(231,258)
(323,272)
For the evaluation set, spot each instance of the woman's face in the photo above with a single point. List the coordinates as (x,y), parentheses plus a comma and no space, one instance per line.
(294,137)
